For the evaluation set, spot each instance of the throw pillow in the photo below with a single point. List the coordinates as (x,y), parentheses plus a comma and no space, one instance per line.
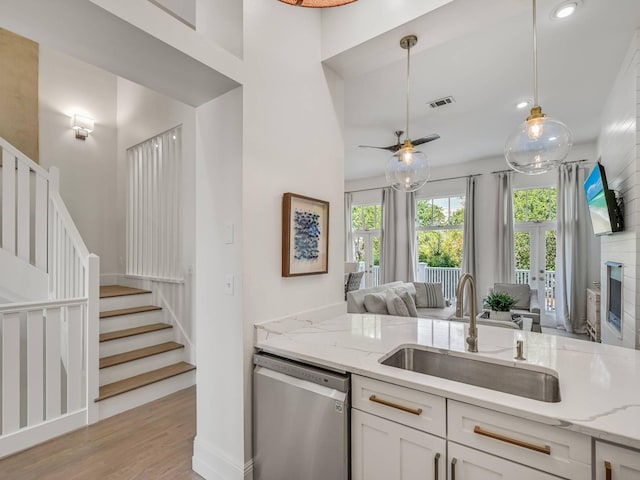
(429,295)
(376,303)
(407,298)
(395,304)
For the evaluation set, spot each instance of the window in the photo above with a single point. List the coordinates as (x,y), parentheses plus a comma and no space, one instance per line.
(532,208)
(366,217)
(439,225)
(535,205)
(534,212)
(366,223)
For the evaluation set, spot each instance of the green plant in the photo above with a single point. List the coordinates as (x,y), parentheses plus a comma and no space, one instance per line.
(499,302)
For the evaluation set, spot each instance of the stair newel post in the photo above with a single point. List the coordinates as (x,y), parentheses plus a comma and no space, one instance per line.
(93,337)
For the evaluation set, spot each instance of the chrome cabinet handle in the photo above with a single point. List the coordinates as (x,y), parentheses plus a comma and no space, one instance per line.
(608,475)
(546,449)
(453,468)
(386,403)
(435,466)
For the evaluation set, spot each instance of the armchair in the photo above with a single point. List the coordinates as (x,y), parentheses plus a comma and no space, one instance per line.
(526,299)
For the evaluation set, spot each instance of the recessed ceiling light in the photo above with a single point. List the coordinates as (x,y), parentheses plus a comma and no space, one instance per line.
(564,10)
(523,104)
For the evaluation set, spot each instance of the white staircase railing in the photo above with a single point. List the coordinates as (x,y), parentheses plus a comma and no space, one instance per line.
(48,348)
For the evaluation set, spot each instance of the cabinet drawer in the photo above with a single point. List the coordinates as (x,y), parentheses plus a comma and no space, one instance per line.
(471,464)
(552,449)
(409,407)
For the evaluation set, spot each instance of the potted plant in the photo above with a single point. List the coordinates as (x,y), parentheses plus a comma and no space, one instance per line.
(500,306)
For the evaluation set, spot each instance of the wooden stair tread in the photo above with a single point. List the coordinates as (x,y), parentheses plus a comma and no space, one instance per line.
(128,384)
(108,291)
(130,332)
(128,311)
(138,354)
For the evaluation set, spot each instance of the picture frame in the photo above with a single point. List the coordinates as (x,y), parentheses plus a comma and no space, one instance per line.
(305,235)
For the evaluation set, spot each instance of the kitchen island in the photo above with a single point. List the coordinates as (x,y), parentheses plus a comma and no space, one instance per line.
(599,384)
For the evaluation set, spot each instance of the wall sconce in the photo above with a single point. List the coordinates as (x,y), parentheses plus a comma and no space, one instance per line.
(82,125)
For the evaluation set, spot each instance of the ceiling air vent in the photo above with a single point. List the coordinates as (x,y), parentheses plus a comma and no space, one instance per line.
(441,102)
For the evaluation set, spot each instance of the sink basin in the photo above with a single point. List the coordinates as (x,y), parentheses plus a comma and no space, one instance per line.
(516,380)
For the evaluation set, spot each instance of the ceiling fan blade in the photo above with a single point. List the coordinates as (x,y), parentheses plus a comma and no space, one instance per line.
(391,148)
(428,138)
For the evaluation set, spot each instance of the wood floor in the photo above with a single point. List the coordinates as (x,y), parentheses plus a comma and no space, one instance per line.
(151,442)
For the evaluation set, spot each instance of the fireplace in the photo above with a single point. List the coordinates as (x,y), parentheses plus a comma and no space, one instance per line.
(614,297)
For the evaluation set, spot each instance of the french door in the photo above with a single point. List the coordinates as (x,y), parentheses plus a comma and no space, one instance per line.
(367,254)
(535,248)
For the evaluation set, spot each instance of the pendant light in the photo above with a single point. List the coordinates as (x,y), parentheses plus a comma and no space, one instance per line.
(408,169)
(540,143)
(317,3)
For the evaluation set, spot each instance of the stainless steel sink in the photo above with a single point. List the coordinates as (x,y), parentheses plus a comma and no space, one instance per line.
(516,380)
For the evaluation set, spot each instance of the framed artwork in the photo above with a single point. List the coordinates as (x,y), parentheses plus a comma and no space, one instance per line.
(305,235)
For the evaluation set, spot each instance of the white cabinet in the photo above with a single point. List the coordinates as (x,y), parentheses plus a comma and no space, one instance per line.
(613,462)
(554,450)
(468,464)
(386,450)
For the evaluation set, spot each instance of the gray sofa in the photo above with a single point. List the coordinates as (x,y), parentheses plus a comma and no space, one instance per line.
(355,301)
(355,304)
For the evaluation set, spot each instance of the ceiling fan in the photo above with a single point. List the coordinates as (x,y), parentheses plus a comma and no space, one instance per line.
(398,146)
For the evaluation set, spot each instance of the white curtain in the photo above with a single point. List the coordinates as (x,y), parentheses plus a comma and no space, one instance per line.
(348,228)
(505,265)
(469,261)
(412,261)
(571,261)
(388,237)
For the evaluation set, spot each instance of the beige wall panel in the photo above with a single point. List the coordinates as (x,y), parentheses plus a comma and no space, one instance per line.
(19,93)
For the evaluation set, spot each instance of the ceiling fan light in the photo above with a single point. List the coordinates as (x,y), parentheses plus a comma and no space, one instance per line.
(538,145)
(408,169)
(317,3)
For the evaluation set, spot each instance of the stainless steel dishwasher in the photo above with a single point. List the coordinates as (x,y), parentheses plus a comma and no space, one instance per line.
(300,421)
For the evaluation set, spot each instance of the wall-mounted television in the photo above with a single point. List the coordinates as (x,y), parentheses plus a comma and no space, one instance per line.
(605,210)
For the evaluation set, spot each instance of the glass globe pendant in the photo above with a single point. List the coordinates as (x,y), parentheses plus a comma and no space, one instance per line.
(408,169)
(540,143)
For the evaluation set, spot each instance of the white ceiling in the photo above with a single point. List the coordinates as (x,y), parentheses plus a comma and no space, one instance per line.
(483,58)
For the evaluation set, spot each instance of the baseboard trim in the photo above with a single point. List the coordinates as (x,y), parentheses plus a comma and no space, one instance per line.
(212,464)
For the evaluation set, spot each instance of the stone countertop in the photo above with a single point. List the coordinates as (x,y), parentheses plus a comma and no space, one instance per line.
(599,384)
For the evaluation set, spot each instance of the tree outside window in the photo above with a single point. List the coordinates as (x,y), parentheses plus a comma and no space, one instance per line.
(366,219)
(439,225)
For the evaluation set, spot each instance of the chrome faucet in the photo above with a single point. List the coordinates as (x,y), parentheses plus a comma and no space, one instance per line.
(472,339)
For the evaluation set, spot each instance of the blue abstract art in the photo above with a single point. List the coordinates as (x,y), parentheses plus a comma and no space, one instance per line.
(305,235)
(307,232)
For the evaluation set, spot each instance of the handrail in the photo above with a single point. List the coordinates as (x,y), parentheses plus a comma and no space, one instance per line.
(74,234)
(31,306)
(23,158)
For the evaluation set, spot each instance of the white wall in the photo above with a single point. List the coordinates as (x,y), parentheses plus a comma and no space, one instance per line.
(183,9)
(291,142)
(221,23)
(221,331)
(87,168)
(355,23)
(617,147)
(486,204)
